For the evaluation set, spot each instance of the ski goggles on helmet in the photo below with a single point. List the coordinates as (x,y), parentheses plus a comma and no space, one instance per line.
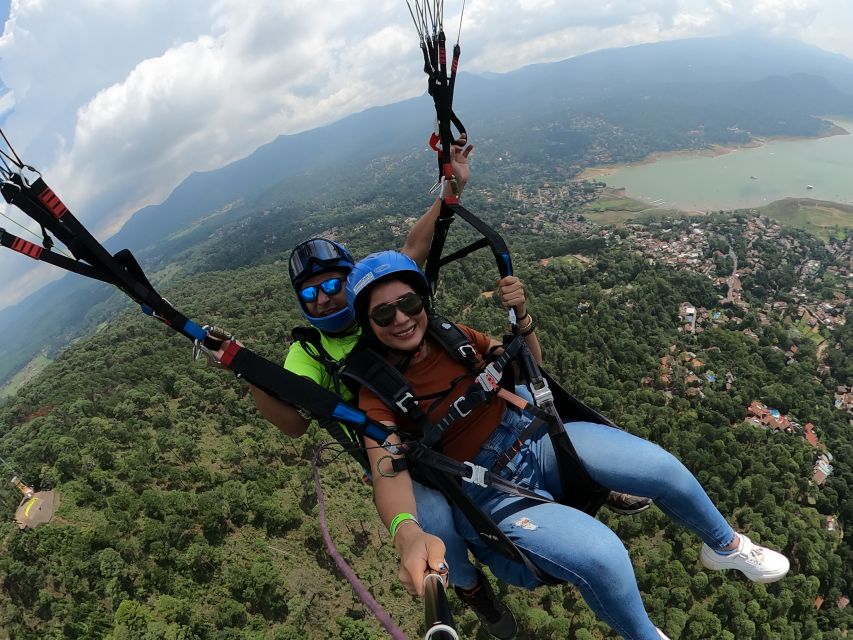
(330,287)
(383,314)
(318,251)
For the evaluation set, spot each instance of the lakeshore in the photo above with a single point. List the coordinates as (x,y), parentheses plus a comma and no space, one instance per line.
(742,177)
(714,151)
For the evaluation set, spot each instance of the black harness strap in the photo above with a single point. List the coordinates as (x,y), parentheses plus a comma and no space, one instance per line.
(483,390)
(365,367)
(579,489)
(441,88)
(490,238)
(25,196)
(38,201)
(540,418)
(311,342)
(454,341)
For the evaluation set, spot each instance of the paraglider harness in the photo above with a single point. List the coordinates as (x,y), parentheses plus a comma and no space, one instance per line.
(493,378)
(551,405)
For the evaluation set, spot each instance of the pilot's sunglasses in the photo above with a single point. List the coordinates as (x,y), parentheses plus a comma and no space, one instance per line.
(330,287)
(383,314)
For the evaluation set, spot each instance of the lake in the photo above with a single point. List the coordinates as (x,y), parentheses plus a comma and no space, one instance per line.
(745,177)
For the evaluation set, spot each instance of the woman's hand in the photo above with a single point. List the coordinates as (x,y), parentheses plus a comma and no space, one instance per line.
(419,552)
(459,152)
(511,292)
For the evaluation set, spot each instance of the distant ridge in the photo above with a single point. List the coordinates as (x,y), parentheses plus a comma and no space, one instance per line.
(738,58)
(356,138)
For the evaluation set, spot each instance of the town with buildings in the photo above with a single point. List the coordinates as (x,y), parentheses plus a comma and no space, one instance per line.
(734,252)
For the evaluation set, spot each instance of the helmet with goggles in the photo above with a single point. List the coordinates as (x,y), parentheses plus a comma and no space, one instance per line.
(317,256)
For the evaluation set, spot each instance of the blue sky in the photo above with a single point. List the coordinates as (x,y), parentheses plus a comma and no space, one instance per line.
(148,91)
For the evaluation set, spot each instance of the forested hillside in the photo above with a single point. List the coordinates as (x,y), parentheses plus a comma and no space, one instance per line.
(185,515)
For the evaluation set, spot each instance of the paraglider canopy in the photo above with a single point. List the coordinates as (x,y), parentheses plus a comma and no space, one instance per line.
(37,509)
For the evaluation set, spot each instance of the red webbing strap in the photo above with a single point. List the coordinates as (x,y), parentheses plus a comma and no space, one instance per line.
(42,254)
(52,202)
(230,351)
(27,248)
(18,192)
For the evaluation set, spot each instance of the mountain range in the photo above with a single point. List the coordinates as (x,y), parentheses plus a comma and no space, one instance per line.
(650,95)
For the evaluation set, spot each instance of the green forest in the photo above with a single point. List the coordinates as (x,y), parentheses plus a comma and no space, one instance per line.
(184,515)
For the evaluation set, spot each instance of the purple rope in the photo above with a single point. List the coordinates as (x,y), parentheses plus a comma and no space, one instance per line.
(361,591)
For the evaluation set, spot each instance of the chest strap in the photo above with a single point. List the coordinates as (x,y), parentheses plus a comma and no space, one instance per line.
(369,369)
(486,385)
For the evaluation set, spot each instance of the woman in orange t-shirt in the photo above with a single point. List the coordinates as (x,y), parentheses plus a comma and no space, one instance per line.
(389,296)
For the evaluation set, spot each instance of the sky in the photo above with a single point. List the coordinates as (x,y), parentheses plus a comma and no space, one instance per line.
(118,101)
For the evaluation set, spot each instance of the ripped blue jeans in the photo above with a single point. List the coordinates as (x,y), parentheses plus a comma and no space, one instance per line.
(571,545)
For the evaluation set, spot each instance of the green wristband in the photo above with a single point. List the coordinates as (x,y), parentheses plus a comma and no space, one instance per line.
(399,519)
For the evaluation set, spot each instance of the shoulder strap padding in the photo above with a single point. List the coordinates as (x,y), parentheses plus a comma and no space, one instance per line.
(453,340)
(309,335)
(366,367)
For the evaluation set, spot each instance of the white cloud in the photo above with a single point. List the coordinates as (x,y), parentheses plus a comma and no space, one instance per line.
(119,100)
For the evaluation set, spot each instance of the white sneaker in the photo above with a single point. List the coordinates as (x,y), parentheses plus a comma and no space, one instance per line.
(757,563)
(662,635)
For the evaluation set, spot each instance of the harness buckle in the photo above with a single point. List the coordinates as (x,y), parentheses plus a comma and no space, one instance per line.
(402,402)
(456,406)
(490,377)
(478,474)
(199,351)
(467,351)
(542,394)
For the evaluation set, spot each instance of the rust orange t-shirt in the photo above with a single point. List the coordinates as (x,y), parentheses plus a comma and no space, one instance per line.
(434,374)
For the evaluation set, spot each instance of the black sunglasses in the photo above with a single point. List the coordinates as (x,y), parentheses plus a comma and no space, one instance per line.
(383,314)
(330,287)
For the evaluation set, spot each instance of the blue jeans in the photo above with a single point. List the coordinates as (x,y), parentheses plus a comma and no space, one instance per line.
(437,516)
(571,545)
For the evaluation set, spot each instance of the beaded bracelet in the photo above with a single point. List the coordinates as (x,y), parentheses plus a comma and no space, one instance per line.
(529,329)
(398,520)
(527,325)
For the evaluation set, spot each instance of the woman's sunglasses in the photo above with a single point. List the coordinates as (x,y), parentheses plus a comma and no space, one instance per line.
(330,287)
(383,314)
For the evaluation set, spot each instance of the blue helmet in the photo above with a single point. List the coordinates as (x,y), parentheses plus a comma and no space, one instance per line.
(377,267)
(318,255)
